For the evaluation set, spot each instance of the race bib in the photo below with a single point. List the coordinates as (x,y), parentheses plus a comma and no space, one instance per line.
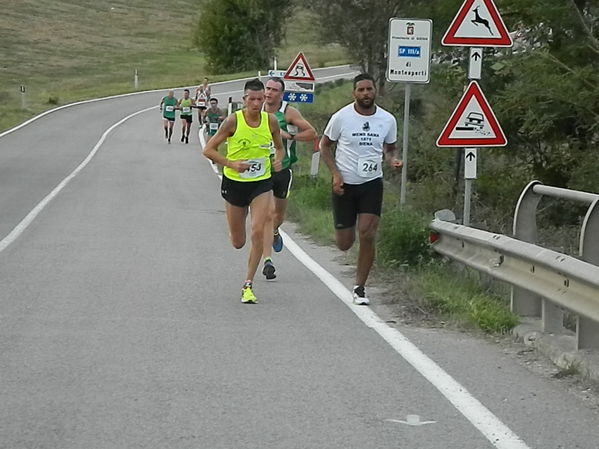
(213,126)
(369,167)
(169,108)
(201,103)
(257,169)
(186,110)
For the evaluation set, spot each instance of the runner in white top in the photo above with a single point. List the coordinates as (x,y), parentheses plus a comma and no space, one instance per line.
(365,135)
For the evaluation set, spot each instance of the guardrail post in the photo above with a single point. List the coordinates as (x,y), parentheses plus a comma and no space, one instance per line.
(587,331)
(523,302)
(552,317)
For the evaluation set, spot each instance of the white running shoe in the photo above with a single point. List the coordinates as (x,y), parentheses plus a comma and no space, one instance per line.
(360,297)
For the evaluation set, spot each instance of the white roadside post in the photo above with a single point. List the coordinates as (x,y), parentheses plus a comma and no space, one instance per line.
(408,61)
(136,80)
(473,124)
(23,98)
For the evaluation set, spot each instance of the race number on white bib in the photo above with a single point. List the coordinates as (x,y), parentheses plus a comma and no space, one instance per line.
(186,110)
(201,103)
(369,167)
(257,169)
(169,108)
(213,126)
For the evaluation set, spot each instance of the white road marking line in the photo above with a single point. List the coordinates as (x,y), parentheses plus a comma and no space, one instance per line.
(471,408)
(486,422)
(24,224)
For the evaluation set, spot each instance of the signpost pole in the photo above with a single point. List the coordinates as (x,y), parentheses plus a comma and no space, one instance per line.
(470,155)
(406,135)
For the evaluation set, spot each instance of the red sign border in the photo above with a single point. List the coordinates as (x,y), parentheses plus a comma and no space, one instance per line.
(499,140)
(450,40)
(287,75)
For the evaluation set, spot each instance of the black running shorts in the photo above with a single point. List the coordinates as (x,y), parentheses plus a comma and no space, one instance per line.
(187,118)
(357,199)
(241,194)
(281,183)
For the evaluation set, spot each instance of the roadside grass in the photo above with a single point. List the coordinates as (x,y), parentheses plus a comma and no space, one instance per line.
(64,51)
(453,295)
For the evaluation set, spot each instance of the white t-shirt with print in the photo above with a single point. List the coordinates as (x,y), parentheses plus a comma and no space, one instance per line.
(360,139)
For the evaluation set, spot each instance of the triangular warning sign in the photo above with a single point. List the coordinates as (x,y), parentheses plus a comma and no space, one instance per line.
(473,123)
(478,24)
(299,70)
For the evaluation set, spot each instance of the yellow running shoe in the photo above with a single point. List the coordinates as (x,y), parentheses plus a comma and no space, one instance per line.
(247,295)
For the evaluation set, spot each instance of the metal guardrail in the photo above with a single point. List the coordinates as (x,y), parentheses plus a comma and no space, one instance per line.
(544,281)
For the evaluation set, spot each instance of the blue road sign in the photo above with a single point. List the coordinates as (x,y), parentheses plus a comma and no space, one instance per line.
(299,97)
(409,52)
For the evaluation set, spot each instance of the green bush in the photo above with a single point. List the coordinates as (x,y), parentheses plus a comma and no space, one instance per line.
(403,237)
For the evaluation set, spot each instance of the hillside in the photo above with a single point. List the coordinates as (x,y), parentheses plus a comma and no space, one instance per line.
(67,50)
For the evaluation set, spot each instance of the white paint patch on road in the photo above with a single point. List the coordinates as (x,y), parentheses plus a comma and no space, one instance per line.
(24,224)
(411,420)
(486,422)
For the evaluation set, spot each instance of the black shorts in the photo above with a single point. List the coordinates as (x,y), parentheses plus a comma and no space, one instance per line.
(187,118)
(241,194)
(202,108)
(357,199)
(169,119)
(281,183)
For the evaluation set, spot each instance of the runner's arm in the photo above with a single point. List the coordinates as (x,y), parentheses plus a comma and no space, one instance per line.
(326,152)
(389,153)
(306,132)
(275,131)
(211,149)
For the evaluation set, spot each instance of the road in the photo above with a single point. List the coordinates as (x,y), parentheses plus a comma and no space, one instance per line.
(121,326)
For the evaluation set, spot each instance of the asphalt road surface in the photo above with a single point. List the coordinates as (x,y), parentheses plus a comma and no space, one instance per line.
(121,325)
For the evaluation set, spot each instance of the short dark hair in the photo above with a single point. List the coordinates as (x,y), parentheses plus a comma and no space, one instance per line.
(363,77)
(253,85)
(279,80)
(186,90)
(214,99)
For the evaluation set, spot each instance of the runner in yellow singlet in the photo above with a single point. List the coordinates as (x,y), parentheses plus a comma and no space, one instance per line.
(246,180)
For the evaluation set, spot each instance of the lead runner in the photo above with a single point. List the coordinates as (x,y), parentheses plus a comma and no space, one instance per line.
(246,180)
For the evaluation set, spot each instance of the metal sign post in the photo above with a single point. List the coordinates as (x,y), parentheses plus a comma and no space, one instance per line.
(470,154)
(409,49)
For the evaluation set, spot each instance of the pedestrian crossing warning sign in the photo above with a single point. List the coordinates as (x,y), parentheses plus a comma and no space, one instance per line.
(478,24)
(299,70)
(473,123)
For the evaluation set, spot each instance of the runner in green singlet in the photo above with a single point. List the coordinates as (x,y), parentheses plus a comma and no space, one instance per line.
(168,113)
(185,105)
(214,118)
(246,183)
(294,128)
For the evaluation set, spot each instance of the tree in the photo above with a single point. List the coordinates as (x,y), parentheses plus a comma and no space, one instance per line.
(238,35)
(361,27)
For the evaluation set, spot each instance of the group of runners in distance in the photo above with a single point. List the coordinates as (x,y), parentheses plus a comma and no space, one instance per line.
(209,114)
(257,169)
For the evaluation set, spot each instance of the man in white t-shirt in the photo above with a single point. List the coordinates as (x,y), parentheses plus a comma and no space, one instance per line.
(364,135)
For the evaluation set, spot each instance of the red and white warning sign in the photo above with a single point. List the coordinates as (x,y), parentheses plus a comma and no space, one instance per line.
(478,24)
(473,123)
(299,70)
